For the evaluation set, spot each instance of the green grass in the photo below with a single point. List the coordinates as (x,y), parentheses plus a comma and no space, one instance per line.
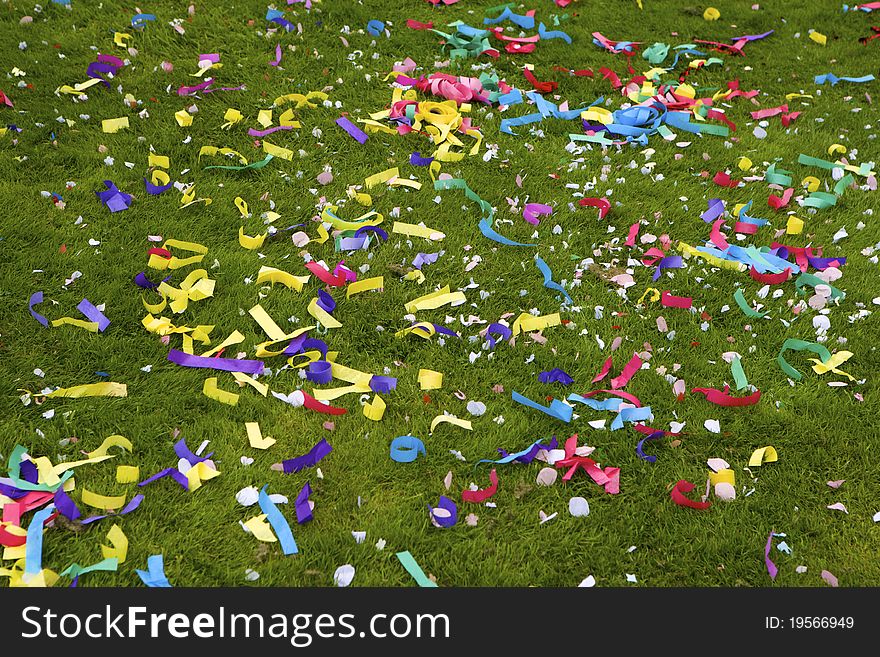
(821,433)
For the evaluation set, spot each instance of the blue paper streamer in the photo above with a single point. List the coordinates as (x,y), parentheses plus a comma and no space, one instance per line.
(279,523)
(557,409)
(631,415)
(33,558)
(154,576)
(406,449)
(548,279)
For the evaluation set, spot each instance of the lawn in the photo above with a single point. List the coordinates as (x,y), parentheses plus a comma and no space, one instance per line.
(72,246)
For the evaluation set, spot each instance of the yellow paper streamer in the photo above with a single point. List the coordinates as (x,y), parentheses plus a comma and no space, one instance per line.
(449,419)
(528,323)
(375,283)
(157,262)
(210,389)
(195,287)
(272,275)
(119,541)
(251,243)
(821,39)
(712,260)
(263,348)
(112,126)
(244,379)
(64,467)
(277,151)
(162,161)
(833,363)
(102,501)
(46,474)
(127,474)
(329,394)
(381,177)
(261,529)
(430,380)
(326,319)
(200,472)
(111,441)
(794,226)
(88,326)
(375,409)
(266,323)
(234,338)
(264,117)
(232,117)
(184,119)
(435,300)
(104,389)
(255,436)
(763,455)
(417,231)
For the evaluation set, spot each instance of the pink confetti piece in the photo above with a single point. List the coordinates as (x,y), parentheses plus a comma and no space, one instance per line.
(828,577)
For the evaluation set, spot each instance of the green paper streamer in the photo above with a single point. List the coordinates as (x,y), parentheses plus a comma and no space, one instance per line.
(408,562)
(745,307)
(739,376)
(792,344)
(253,165)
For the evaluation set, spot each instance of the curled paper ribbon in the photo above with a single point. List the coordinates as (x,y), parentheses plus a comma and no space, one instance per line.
(720,398)
(445,514)
(678,496)
(480,496)
(557,409)
(406,449)
(548,279)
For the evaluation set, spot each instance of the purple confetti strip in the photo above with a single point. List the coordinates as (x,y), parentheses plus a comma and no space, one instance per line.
(174,473)
(155,190)
(223,364)
(372,229)
(356,133)
(326,302)
(303,508)
(319,451)
(184,452)
(532,211)
(277,60)
(28,472)
(141,280)
(555,375)
(416,159)
(530,455)
(447,505)
(423,259)
(716,209)
(771,567)
(650,458)
(128,508)
(442,330)
(11,491)
(37,298)
(503,332)
(65,505)
(669,262)
(382,384)
(320,371)
(88,309)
